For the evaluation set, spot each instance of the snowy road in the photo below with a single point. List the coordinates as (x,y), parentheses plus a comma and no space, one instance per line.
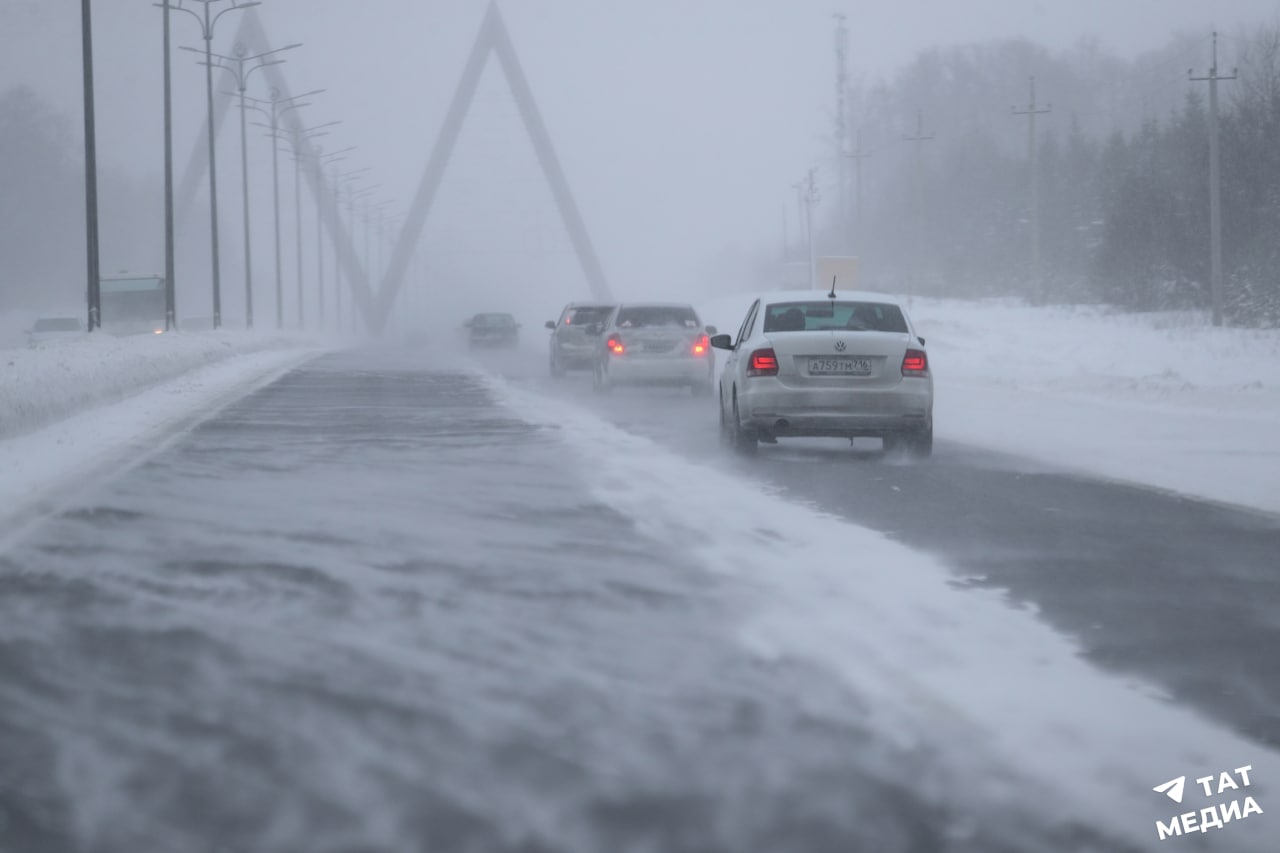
(1182,592)
(371,608)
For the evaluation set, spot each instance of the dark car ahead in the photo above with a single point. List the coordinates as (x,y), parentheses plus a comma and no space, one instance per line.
(572,345)
(493,330)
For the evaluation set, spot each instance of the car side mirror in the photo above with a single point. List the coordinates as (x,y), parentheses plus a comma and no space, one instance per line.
(711,330)
(921,340)
(550,324)
(722,342)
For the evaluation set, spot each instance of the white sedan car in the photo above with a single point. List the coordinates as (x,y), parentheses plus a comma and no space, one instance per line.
(654,344)
(809,363)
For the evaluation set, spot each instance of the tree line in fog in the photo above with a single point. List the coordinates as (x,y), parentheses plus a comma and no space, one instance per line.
(1123,166)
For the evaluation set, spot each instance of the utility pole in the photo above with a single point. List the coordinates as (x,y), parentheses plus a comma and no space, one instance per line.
(918,196)
(1215,184)
(1033,159)
(857,156)
(807,191)
(842,78)
(94,292)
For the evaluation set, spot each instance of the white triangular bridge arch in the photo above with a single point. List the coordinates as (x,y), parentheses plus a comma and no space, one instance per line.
(492,39)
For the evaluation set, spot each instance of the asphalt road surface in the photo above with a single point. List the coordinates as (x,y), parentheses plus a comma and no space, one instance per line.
(368,609)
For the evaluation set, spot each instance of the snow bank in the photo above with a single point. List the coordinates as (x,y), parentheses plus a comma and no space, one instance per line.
(59,378)
(1162,400)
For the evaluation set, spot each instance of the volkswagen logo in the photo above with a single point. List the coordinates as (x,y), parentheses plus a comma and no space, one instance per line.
(840,347)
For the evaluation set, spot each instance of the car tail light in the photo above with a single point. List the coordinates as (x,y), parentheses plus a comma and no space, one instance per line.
(615,346)
(701,345)
(915,363)
(764,362)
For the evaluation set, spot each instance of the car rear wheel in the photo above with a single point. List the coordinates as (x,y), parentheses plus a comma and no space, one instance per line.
(744,440)
(918,444)
(556,369)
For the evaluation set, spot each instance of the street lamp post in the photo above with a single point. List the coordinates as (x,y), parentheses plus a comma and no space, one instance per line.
(321,160)
(273,109)
(352,198)
(296,140)
(240,66)
(170,286)
(338,180)
(90,172)
(207,24)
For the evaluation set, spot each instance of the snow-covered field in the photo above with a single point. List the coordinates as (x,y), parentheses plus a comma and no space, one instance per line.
(1160,400)
(55,379)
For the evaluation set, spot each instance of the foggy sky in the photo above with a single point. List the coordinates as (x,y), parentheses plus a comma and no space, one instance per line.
(682,124)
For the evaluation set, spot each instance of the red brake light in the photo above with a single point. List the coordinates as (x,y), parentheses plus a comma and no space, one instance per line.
(701,345)
(764,362)
(615,346)
(915,363)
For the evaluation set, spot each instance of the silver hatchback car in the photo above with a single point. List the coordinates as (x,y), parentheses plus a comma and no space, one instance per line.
(826,364)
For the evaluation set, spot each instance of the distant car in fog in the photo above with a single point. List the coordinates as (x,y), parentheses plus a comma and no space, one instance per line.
(826,364)
(54,328)
(493,330)
(573,347)
(654,344)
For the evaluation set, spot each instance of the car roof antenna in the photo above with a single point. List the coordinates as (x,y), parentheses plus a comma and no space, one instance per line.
(832,294)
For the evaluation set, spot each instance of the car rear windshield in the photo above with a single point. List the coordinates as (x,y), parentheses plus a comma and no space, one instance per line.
(494,320)
(585,316)
(657,316)
(57,324)
(846,316)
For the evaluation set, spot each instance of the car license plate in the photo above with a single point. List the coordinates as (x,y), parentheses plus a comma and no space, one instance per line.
(658,347)
(839,367)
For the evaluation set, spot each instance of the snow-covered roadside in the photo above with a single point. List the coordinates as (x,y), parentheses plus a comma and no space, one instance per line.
(1159,400)
(1162,400)
(59,378)
(40,469)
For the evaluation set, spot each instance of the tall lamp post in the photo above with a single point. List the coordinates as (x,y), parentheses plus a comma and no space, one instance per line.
(93,293)
(322,160)
(273,109)
(296,138)
(170,286)
(242,65)
(338,180)
(207,24)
